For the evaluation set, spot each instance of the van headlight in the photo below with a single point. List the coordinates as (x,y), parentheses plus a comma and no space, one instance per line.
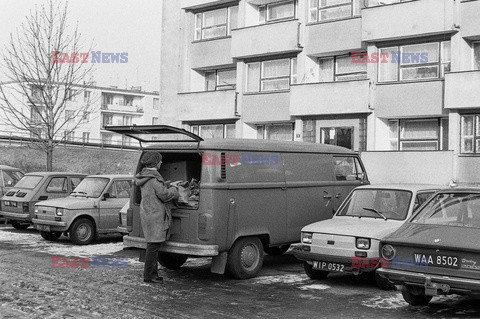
(388,252)
(60,211)
(307,238)
(363,243)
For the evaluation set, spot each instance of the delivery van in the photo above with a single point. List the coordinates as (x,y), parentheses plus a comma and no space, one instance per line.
(247,196)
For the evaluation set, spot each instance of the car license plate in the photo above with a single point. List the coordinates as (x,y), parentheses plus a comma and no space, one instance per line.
(436,260)
(326,266)
(43,227)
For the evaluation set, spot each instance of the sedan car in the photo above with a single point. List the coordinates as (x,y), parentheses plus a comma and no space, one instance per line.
(436,252)
(91,209)
(349,242)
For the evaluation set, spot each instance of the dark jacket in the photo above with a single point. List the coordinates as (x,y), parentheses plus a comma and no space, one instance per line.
(155,212)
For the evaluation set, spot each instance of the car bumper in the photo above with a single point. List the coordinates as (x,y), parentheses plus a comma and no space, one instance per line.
(174,247)
(122,230)
(50,223)
(16,216)
(433,284)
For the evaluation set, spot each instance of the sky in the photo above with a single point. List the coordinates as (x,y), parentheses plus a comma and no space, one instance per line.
(131,26)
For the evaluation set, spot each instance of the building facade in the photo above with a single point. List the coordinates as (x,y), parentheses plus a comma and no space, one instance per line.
(369,75)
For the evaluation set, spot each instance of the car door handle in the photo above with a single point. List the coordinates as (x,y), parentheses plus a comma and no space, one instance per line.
(338,195)
(326,195)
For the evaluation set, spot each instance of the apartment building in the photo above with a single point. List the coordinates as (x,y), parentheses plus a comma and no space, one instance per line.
(89,109)
(305,70)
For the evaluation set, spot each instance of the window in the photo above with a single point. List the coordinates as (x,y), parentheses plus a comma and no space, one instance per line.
(215,23)
(86,96)
(37,95)
(271,75)
(106,138)
(123,188)
(277,11)
(340,136)
(476,55)
(69,115)
(220,79)
(71,95)
(324,10)
(341,68)
(281,132)
(126,140)
(10,178)
(154,120)
(156,104)
(57,185)
(419,135)
(126,120)
(36,114)
(128,100)
(309,131)
(413,62)
(214,130)
(348,168)
(69,136)
(470,133)
(75,181)
(86,137)
(107,119)
(86,117)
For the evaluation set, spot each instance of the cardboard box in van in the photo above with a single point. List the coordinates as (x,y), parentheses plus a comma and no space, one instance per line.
(254,196)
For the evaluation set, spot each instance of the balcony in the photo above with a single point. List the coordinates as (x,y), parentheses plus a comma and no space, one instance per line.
(407,19)
(461,90)
(333,37)
(409,99)
(213,105)
(330,98)
(266,107)
(266,39)
(208,53)
(197,4)
(117,108)
(469,19)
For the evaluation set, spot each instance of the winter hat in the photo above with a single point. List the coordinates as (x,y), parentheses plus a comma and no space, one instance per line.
(151,158)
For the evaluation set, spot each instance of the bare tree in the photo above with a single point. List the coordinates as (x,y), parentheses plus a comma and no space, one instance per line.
(44,73)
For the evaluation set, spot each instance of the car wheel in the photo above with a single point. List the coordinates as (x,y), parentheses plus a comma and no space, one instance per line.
(383,283)
(82,232)
(314,273)
(171,261)
(245,258)
(50,235)
(415,297)
(18,225)
(277,251)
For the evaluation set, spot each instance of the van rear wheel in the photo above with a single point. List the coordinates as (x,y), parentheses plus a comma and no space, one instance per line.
(245,258)
(18,225)
(277,251)
(171,261)
(50,235)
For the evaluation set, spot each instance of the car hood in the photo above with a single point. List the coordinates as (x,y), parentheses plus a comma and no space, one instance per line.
(437,236)
(69,203)
(376,228)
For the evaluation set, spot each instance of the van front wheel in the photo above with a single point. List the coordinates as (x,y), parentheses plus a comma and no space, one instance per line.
(171,261)
(245,258)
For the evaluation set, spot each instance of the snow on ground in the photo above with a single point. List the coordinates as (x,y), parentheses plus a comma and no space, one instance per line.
(314,287)
(284,279)
(385,302)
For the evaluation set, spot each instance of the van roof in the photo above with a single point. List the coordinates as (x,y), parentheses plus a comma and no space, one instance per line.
(243,144)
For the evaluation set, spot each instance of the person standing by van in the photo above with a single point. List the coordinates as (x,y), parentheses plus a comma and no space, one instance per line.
(155,212)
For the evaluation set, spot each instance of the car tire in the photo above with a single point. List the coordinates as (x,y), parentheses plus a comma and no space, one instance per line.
(383,283)
(50,235)
(18,225)
(314,273)
(277,251)
(245,258)
(82,232)
(415,297)
(171,261)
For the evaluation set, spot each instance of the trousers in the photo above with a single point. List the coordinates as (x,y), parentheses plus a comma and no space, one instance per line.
(151,258)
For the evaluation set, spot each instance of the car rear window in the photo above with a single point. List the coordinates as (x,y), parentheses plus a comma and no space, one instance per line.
(10,178)
(29,181)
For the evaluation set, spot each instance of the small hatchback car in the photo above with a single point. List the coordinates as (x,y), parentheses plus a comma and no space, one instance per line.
(436,252)
(349,242)
(18,203)
(92,208)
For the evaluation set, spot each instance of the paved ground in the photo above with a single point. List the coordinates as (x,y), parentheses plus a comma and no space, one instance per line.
(31,288)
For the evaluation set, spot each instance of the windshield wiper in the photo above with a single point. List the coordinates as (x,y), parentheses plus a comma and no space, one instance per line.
(80,193)
(376,212)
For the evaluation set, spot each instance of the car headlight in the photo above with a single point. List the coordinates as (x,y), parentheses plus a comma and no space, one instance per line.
(388,252)
(60,211)
(36,210)
(363,243)
(307,238)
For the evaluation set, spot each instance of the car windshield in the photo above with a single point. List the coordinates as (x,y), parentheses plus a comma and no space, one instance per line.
(10,178)
(377,203)
(454,209)
(29,181)
(91,187)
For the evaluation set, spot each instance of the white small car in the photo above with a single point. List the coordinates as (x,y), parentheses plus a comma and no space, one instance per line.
(349,242)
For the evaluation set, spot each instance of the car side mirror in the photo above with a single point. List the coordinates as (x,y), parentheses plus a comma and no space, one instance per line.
(9,183)
(106,196)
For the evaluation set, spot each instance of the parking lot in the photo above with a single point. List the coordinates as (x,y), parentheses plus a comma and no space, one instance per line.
(32,288)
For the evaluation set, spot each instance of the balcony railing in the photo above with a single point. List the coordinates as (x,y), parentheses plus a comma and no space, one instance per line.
(122,108)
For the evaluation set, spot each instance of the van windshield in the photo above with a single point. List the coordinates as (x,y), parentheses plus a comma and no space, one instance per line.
(90,187)
(29,181)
